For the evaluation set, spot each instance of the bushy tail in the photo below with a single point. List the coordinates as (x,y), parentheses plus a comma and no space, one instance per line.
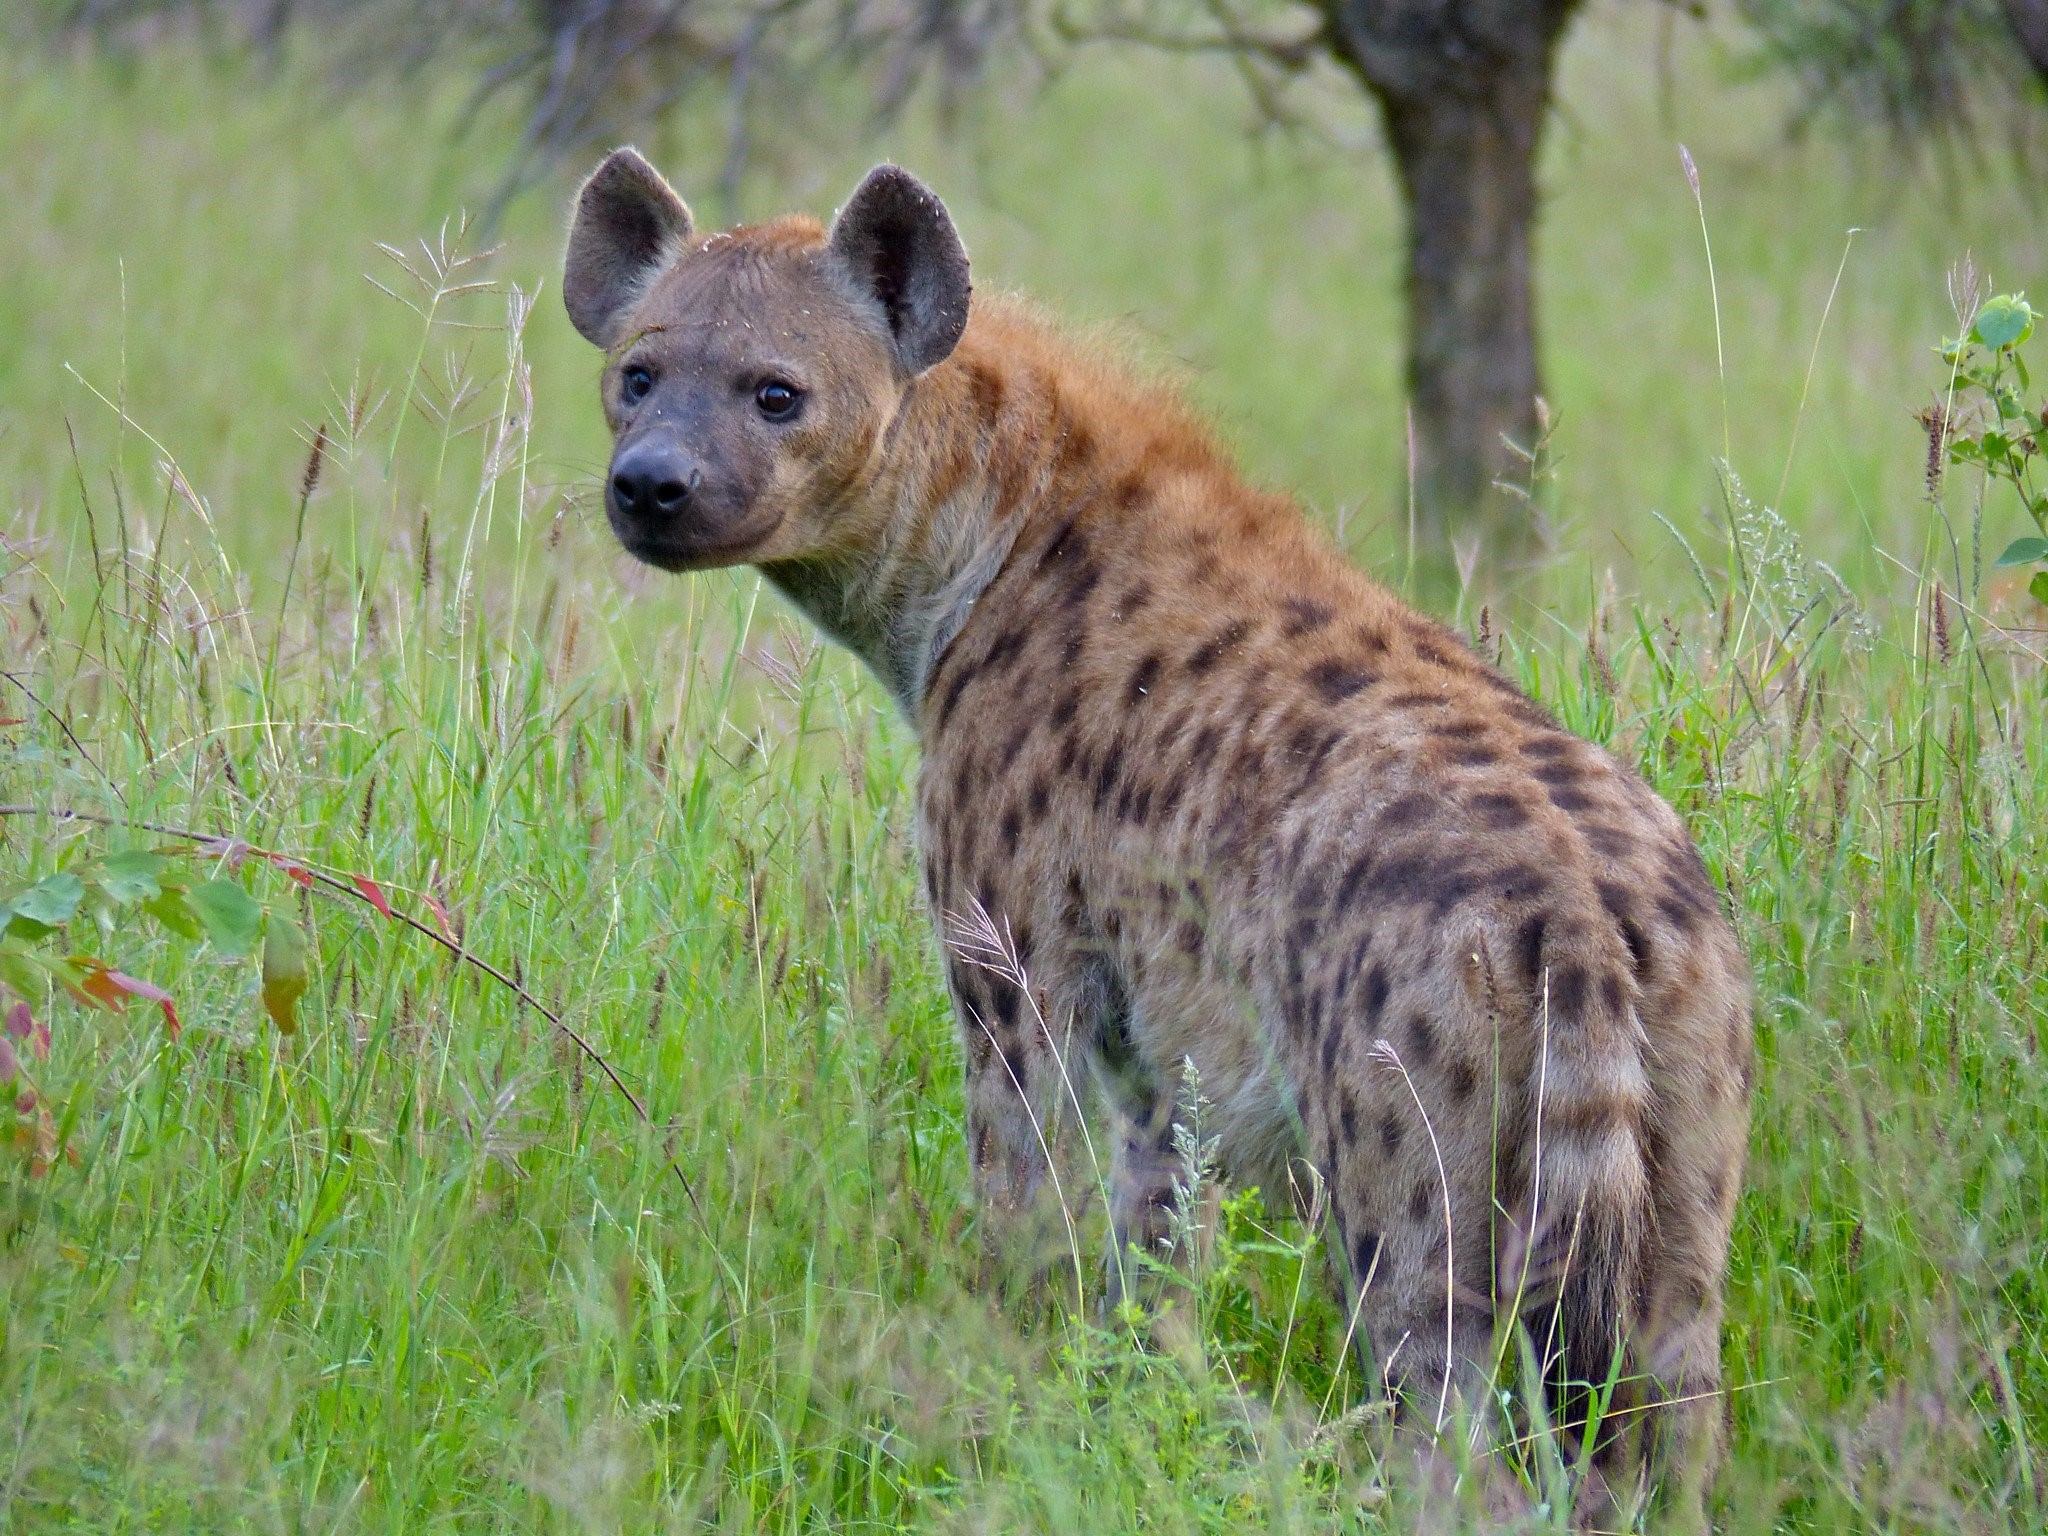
(1584,1232)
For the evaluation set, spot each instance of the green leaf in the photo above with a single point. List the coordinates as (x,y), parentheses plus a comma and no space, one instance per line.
(230,916)
(131,877)
(2024,552)
(2039,588)
(284,971)
(22,968)
(53,902)
(175,913)
(2004,321)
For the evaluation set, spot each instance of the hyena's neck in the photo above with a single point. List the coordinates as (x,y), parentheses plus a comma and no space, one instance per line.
(1005,436)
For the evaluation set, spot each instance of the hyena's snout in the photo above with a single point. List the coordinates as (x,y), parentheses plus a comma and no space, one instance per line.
(653,478)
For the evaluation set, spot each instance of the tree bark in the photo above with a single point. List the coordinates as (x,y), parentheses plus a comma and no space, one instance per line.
(2029,22)
(1464,89)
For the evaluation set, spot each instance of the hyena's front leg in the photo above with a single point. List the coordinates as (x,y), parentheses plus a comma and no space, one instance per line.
(1026,1066)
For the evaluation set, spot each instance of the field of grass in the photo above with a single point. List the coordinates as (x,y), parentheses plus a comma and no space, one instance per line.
(421,1267)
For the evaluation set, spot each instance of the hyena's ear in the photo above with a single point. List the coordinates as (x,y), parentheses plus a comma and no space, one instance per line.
(897,243)
(629,224)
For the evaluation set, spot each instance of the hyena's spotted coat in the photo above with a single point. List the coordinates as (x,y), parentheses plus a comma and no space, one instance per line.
(1231,801)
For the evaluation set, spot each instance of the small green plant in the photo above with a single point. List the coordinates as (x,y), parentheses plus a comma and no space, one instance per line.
(1989,423)
(53,932)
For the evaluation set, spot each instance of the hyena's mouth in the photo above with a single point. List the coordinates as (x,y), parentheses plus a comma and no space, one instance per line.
(693,546)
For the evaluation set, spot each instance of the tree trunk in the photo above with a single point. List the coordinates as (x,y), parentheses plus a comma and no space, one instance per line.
(1464,88)
(2029,22)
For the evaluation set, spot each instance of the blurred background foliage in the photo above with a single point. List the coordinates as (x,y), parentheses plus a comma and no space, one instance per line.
(1461,95)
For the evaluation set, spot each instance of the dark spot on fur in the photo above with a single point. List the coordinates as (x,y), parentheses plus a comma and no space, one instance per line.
(1572,800)
(1143,677)
(1499,811)
(1077,447)
(1135,599)
(1170,793)
(1406,811)
(1108,772)
(1067,545)
(1347,1119)
(1416,698)
(1365,1252)
(1012,828)
(1474,756)
(1420,1199)
(1608,842)
(1211,651)
(1086,577)
(1336,681)
(985,388)
(1004,998)
(1463,1079)
(1375,992)
(1433,654)
(1130,490)
(1461,730)
(1568,991)
(1421,1040)
(1616,899)
(1207,740)
(956,685)
(1304,616)
(1390,1133)
(1529,946)
(1551,744)
(1039,801)
(1611,994)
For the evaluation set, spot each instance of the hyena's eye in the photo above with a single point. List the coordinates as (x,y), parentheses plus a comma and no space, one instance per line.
(634,383)
(778,401)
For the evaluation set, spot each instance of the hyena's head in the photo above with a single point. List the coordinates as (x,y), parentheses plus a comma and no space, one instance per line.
(750,376)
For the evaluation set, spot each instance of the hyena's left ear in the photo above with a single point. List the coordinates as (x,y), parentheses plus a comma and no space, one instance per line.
(629,224)
(897,243)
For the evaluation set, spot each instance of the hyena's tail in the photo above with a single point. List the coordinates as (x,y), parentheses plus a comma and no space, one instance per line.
(1578,1249)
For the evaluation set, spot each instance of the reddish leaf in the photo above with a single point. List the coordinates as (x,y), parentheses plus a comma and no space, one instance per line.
(99,986)
(232,849)
(12,720)
(373,893)
(10,1064)
(292,867)
(440,911)
(24,1025)
(113,988)
(135,987)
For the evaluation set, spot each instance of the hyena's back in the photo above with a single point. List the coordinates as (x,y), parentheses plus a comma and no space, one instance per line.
(1239,805)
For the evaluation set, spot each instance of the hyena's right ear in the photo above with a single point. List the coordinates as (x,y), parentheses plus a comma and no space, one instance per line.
(629,224)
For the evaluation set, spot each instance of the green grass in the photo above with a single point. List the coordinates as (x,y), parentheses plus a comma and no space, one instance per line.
(419,1268)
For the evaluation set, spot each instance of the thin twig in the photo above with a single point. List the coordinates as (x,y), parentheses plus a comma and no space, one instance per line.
(465,956)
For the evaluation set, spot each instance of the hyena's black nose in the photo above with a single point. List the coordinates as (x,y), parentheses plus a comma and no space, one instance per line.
(652,479)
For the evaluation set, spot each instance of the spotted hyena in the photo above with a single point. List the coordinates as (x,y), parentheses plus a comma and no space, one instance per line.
(1230,801)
